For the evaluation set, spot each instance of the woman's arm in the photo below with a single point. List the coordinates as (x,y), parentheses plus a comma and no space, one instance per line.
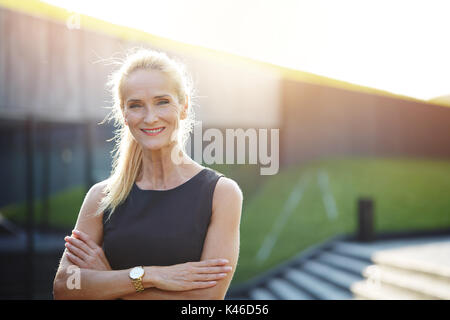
(222,240)
(94,284)
(86,254)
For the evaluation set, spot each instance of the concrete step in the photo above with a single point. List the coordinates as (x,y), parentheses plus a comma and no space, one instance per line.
(354,250)
(261,294)
(365,251)
(366,290)
(238,297)
(352,265)
(286,290)
(400,243)
(432,259)
(416,282)
(337,277)
(318,288)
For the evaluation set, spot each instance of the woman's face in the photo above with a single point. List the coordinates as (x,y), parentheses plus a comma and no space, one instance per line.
(150,103)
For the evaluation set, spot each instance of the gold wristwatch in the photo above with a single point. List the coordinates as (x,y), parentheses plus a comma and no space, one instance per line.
(136,275)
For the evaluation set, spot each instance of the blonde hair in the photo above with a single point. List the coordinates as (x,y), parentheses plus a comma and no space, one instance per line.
(127,153)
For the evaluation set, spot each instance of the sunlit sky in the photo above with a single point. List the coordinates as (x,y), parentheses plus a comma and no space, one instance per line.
(399,46)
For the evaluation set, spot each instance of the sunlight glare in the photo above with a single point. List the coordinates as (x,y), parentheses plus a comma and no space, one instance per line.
(396,46)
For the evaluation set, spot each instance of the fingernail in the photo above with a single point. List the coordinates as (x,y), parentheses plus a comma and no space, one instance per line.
(76,231)
(224,260)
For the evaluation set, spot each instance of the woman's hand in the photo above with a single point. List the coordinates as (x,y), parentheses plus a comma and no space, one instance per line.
(85,253)
(188,276)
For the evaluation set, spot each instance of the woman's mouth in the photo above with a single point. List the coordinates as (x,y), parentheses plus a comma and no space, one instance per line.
(153,132)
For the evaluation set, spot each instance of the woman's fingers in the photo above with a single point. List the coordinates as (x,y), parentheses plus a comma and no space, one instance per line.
(210,262)
(222,269)
(79,244)
(212,266)
(92,245)
(92,254)
(85,238)
(76,251)
(203,284)
(208,277)
(191,275)
(209,271)
(75,260)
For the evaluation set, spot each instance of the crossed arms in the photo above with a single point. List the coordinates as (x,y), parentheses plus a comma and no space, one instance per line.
(208,278)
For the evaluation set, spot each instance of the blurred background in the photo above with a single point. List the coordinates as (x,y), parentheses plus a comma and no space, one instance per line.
(360,207)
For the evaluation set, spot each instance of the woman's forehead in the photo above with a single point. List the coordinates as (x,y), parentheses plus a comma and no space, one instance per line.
(147,84)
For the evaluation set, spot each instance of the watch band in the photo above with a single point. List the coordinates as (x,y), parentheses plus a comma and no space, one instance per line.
(138,284)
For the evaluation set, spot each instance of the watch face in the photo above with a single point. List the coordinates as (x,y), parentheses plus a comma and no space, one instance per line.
(136,272)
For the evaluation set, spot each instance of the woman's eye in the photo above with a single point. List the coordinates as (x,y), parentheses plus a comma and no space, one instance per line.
(134,106)
(162,102)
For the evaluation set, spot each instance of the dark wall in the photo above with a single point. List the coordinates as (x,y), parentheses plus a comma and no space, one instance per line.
(59,157)
(321,121)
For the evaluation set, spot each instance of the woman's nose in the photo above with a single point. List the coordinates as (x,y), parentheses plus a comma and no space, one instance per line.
(150,115)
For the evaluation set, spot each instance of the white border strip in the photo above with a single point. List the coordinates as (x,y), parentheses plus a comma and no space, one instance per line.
(327,195)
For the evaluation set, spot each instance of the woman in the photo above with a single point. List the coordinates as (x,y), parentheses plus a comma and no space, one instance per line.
(161,226)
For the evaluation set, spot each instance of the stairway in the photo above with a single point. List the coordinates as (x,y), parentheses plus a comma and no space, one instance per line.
(408,273)
(343,269)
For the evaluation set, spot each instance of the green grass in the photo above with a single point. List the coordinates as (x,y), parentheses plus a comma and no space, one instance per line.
(64,207)
(408,195)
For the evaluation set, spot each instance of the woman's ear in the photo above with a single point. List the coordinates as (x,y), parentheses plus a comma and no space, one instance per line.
(184,110)
(183,114)
(124,118)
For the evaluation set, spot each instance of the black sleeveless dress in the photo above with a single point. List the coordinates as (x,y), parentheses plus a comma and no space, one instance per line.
(160,227)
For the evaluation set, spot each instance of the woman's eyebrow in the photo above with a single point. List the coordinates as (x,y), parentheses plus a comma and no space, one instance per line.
(155,97)
(134,100)
(162,96)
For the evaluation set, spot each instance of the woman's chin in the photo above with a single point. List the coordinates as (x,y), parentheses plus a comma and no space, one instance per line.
(154,145)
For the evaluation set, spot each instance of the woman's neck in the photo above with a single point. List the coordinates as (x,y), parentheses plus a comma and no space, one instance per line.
(166,168)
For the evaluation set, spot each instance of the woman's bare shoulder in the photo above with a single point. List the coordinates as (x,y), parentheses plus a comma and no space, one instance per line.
(225,184)
(97,189)
(93,197)
(226,193)
(96,192)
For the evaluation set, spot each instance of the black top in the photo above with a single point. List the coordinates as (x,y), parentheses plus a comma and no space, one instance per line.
(160,227)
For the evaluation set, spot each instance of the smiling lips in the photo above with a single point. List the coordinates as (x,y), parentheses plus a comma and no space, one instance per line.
(153,132)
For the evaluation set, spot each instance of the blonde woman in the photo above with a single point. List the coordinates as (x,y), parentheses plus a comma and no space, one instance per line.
(161,226)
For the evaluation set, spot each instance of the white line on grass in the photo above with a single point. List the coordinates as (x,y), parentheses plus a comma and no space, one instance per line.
(327,195)
(290,205)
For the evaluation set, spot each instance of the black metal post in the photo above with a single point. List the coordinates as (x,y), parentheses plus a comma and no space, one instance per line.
(29,189)
(46,172)
(365,220)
